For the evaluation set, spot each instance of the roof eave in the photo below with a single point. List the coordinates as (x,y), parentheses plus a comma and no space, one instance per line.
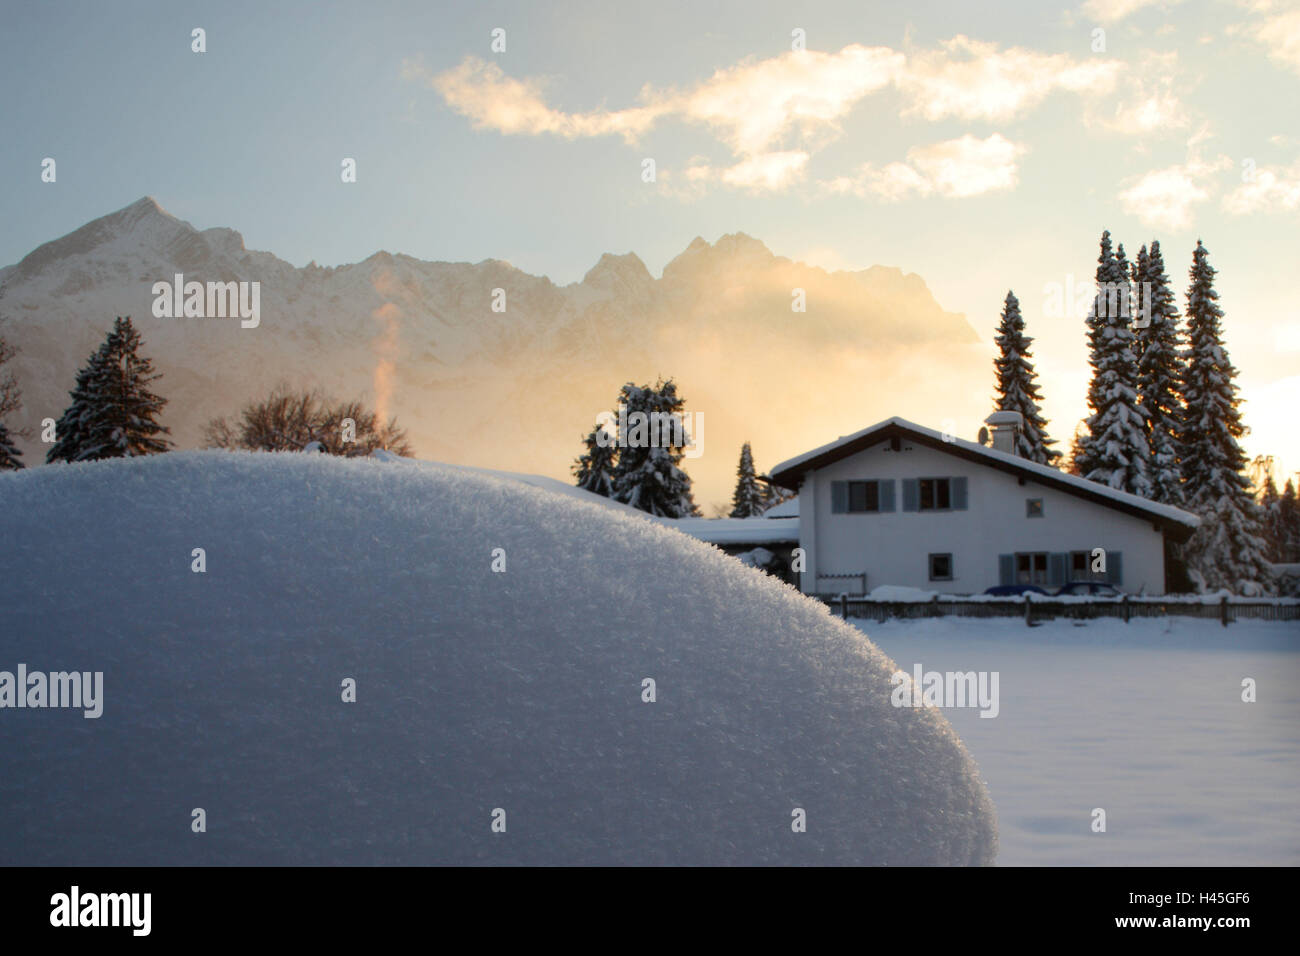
(793,476)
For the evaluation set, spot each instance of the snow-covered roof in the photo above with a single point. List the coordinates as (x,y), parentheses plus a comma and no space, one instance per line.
(761,530)
(789,473)
(786,509)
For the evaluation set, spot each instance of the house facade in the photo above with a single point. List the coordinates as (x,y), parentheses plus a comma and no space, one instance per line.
(900,504)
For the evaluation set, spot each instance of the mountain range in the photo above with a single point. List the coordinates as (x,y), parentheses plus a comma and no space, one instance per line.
(515,389)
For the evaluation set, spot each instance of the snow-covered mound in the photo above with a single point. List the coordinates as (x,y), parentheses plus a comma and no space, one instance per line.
(477,691)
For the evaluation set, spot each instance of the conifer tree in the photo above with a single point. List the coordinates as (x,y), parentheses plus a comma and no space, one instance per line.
(594,470)
(1017,385)
(1288,509)
(1083,457)
(10,456)
(1272,529)
(113,412)
(69,430)
(10,401)
(1227,551)
(648,475)
(1115,450)
(747,500)
(1160,374)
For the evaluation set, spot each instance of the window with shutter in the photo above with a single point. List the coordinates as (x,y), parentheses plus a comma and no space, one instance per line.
(959,494)
(1031,567)
(864,496)
(1058,564)
(935,494)
(911,494)
(1006,569)
(887,494)
(839,497)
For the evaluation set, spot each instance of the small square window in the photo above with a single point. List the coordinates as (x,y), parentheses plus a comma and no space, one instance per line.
(941,567)
(1033,507)
(864,496)
(935,494)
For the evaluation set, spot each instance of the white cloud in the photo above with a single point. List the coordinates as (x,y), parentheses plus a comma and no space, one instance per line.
(1148,102)
(1278,31)
(483,93)
(767,172)
(894,182)
(969,166)
(757,105)
(955,169)
(972,79)
(752,107)
(1165,197)
(1273,188)
(774,114)
(1112,11)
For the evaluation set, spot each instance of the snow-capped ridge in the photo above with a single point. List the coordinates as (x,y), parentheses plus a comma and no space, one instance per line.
(612,269)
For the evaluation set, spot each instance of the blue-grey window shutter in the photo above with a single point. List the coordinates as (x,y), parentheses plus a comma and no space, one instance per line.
(1006,569)
(839,497)
(911,494)
(958,489)
(886,494)
(1114,567)
(1057,568)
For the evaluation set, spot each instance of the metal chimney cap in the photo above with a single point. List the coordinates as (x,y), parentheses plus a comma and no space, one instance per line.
(1005,418)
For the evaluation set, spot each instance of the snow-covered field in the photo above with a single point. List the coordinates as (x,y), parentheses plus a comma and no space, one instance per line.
(520,690)
(1143,720)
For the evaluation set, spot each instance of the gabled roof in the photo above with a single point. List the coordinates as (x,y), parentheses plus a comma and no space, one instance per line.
(760,530)
(789,474)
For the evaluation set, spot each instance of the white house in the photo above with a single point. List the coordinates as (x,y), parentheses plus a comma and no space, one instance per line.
(900,504)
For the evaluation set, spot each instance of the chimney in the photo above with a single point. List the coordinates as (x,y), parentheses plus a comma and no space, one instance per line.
(1006,430)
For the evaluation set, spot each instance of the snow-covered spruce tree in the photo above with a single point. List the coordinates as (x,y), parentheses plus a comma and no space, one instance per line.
(747,500)
(1160,375)
(594,470)
(1083,455)
(1289,524)
(114,413)
(1115,450)
(647,475)
(69,430)
(10,456)
(1071,464)
(10,401)
(1227,551)
(1270,514)
(1017,384)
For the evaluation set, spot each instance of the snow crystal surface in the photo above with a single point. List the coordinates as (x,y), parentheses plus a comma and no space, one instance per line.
(1144,720)
(476,690)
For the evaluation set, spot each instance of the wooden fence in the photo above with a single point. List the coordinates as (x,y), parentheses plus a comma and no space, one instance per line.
(1226,610)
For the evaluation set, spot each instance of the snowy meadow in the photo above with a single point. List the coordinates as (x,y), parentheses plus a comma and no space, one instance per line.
(1144,720)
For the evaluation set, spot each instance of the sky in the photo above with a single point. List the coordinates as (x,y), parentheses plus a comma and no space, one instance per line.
(983,147)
